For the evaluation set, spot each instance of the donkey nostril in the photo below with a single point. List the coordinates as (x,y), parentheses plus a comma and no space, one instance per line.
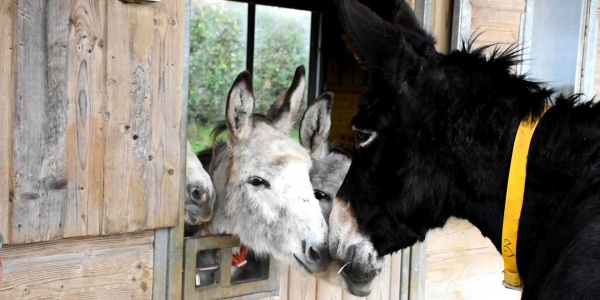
(196,194)
(313,255)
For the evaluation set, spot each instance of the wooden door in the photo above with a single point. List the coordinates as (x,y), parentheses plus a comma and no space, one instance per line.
(90,117)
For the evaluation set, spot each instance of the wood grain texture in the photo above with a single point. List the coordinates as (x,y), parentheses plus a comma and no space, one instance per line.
(85,139)
(328,291)
(112,267)
(144,74)
(395,275)
(381,284)
(462,264)
(442,24)
(301,286)
(418,267)
(297,285)
(497,21)
(597,70)
(39,170)
(90,139)
(284,277)
(8,14)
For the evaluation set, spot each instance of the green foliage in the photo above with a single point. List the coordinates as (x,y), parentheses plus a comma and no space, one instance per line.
(218,55)
(281,46)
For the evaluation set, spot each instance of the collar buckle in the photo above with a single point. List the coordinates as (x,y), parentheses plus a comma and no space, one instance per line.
(512,287)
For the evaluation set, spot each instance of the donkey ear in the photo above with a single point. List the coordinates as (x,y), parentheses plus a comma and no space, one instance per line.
(284,111)
(315,127)
(375,41)
(240,106)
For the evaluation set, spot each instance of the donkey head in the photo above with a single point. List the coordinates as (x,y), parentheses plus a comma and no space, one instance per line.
(262,181)
(375,211)
(200,192)
(330,163)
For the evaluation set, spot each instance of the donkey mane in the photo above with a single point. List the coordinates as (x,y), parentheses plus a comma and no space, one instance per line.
(528,97)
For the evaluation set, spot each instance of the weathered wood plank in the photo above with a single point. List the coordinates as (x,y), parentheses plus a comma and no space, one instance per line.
(301,286)
(112,267)
(418,269)
(395,275)
(347,296)
(85,139)
(144,74)
(167,84)
(328,291)
(296,285)
(39,170)
(497,21)
(462,264)
(405,274)
(284,277)
(176,239)
(57,127)
(381,285)
(597,70)
(8,15)
(442,24)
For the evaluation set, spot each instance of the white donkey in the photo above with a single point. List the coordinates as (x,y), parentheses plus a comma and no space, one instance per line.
(261,178)
(330,164)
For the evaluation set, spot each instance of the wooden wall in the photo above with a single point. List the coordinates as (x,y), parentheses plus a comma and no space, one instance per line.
(462,264)
(111,267)
(497,21)
(90,117)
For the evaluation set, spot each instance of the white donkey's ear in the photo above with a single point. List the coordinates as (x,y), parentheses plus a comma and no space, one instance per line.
(285,110)
(240,106)
(315,127)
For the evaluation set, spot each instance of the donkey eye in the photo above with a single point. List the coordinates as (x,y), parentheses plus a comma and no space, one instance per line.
(363,137)
(321,196)
(257,181)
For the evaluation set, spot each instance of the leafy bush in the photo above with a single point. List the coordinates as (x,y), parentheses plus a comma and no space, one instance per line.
(218,54)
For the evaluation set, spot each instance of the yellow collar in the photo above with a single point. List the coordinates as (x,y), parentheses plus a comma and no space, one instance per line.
(514,202)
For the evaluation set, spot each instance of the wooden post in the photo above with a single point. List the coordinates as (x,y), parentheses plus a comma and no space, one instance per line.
(8,14)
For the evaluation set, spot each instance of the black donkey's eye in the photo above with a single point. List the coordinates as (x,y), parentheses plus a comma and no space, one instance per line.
(361,137)
(257,181)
